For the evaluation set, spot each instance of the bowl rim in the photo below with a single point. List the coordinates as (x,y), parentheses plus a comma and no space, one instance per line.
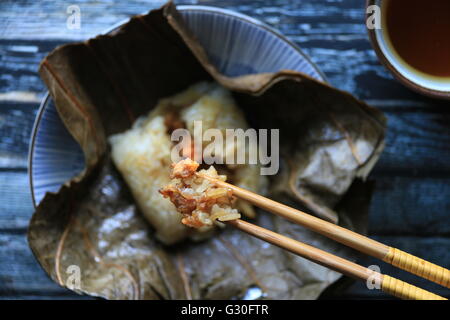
(400,77)
(45,100)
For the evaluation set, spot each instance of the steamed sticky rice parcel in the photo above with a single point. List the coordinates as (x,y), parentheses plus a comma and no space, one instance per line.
(142,154)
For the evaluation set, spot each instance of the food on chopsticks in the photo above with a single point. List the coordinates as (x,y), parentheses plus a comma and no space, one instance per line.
(142,153)
(200,201)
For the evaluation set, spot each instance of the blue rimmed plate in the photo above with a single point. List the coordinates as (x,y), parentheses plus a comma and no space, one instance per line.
(236,44)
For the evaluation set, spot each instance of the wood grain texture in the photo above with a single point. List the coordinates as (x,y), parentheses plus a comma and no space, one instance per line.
(402,206)
(411,203)
(20,274)
(416,144)
(16,206)
(19,271)
(332,33)
(16,123)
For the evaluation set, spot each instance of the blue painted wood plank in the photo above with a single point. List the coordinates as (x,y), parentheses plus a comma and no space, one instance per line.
(412,197)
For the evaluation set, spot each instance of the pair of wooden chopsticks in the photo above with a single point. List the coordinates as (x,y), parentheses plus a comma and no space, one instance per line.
(347,237)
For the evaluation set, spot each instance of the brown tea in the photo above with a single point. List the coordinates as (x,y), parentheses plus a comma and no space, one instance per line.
(420,33)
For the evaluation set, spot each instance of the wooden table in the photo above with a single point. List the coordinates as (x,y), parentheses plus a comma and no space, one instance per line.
(411,204)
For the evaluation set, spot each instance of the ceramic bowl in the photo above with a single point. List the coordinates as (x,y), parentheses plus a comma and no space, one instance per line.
(236,44)
(413,79)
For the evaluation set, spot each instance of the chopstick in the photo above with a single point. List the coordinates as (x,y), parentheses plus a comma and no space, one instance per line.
(386,283)
(391,255)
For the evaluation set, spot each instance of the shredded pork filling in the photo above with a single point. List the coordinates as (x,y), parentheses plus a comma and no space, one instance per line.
(199,201)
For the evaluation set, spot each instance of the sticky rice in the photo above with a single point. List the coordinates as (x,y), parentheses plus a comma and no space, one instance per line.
(142,154)
(199,201)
